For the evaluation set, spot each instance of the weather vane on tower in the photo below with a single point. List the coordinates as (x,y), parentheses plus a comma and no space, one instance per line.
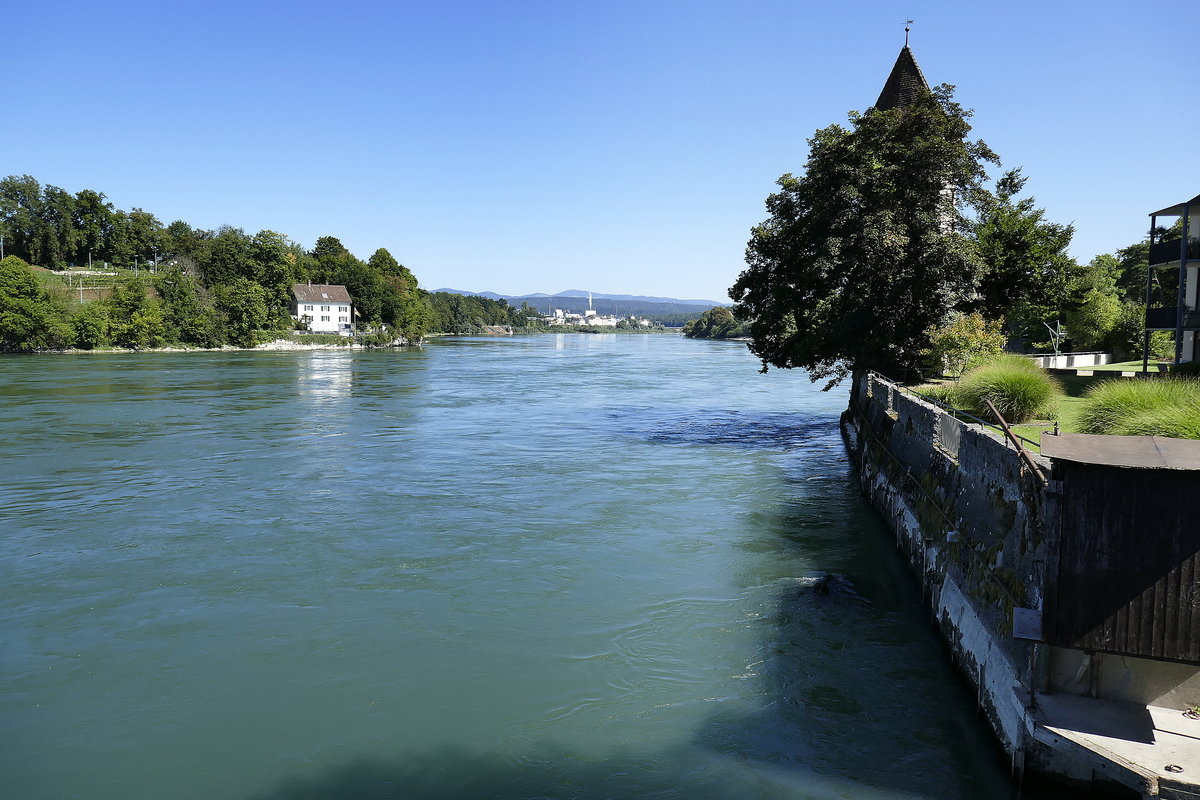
(907,27)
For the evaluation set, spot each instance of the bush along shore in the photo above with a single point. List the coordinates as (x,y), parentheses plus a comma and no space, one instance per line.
(148,286)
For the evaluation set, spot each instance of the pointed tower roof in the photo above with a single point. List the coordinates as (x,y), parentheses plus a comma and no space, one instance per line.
(901,87)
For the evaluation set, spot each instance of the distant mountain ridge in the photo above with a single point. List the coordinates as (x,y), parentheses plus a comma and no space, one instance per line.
(582,293)
(668,311)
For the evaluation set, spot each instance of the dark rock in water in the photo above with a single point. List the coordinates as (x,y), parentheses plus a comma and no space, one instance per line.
(830,583)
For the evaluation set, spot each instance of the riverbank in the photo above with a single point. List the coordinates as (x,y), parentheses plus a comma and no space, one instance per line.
(346,343)
(550,566)
(275,345)
(1008,552)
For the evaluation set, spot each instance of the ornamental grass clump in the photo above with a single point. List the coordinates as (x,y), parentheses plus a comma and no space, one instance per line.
(939,392)
(1018,388)
(1166,407)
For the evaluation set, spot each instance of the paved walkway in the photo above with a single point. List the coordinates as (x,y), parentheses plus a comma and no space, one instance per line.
(1154,750)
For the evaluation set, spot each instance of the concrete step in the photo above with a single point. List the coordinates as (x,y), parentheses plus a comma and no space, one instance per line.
(1170,790)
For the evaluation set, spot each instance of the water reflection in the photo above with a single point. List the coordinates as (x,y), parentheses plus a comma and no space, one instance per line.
(325,378)
(584,341)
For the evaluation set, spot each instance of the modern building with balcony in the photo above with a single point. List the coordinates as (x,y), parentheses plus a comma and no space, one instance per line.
(1173,277)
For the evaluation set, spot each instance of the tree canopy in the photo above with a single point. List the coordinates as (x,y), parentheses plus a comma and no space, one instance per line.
(1027,274)
(208,288)
(869,250)
(716,323)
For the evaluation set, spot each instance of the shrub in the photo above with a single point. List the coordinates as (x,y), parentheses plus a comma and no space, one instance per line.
(1017,387)
(964,341)
(716,323)
(941,392)
(90,325)
(1166,407)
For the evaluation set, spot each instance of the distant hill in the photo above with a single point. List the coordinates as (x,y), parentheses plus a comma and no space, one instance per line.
(667,310)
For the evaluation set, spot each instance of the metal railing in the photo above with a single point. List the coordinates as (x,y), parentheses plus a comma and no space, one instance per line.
(958,413)
(1167,252)
(1167,317)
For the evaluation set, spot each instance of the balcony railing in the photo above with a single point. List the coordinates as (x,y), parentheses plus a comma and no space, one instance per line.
(1165,318)
(1166,252)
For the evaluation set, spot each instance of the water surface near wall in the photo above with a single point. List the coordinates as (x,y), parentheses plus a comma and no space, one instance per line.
(549,566)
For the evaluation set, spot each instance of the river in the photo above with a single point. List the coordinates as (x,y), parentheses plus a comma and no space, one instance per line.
(548,566)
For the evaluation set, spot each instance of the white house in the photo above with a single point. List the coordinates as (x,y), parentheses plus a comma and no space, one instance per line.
(324,308)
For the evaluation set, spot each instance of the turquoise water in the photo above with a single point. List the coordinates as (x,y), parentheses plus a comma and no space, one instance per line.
(551,566)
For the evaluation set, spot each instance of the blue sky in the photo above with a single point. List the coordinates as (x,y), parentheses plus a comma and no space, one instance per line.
(619,147)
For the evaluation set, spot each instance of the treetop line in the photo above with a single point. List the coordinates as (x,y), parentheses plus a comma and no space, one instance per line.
(892,233)
(210,288)
(890,237)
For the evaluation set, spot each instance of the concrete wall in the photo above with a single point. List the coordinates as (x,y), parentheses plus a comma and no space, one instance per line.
(968,515)
(1132,680)
(980,529)
(1073,360)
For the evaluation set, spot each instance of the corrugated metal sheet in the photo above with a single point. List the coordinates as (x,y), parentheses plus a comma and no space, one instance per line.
(949,433)
(1128,562)
(1142,452)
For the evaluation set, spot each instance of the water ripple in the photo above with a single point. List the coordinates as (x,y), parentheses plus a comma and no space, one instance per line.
(723,427)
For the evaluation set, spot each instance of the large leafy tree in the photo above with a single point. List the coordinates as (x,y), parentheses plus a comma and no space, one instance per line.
(404,305)
(867,252)
(29,318)
(276,270)
(716,323)
(144,234)
(136,318)
(93,222)
(20,210)
(187,309)
(1028,274)
(55,236)
(181,240)
(244,304)
(226,256)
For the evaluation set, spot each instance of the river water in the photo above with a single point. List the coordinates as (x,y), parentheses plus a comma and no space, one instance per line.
(549,566)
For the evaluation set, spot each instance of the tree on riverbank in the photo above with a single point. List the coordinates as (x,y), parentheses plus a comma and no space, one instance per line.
(208,288)
(869,250)
(30,319)
(472,314)
(890,240)
(716,323)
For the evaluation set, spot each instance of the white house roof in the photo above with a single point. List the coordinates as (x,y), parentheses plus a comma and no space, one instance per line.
(320,293)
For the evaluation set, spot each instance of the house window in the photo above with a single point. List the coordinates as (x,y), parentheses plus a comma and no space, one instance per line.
(308,308)
(324,308)
(343,319)
(325,318)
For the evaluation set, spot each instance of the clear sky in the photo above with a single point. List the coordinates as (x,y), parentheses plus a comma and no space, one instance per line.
(621,147)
